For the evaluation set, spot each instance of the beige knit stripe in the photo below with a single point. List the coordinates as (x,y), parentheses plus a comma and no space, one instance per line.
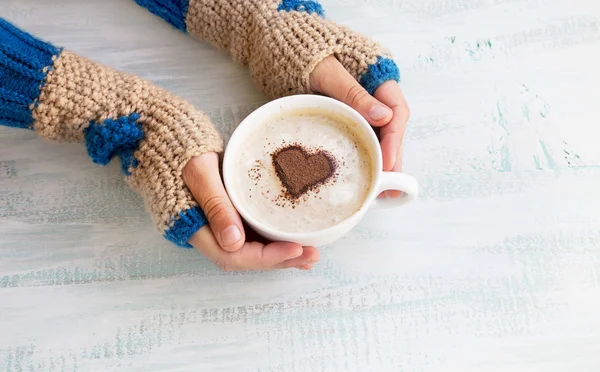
(78,91)
(281,48)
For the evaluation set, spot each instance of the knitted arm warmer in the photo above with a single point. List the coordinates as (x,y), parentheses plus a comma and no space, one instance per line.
(282,41)
(65,97)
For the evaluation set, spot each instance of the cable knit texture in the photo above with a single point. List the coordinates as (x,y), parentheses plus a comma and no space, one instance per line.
(153,132)
(24,63)
(282,41)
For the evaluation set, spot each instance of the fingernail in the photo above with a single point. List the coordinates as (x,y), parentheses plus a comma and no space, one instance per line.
(379,112)
(231,235)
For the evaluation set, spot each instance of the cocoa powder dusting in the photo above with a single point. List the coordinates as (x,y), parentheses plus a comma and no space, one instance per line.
(300,170)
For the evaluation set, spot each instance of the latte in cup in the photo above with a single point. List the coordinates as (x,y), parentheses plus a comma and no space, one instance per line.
(304,170)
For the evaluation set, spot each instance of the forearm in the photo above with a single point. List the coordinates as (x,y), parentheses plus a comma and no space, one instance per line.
(281,41)
(66,97)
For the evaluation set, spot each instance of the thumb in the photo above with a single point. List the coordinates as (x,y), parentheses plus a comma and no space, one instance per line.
(332,79)
(201,175)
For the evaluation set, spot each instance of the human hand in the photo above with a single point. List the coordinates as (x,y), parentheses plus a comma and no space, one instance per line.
(224,240)
(167,148)
(387,111)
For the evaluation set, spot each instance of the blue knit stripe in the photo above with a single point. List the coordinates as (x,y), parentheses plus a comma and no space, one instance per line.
(172,11)
(378,73)
(120,137)
(13,113)
(307,6)
(23,40)
(13,97)
(185,225)
(24,64)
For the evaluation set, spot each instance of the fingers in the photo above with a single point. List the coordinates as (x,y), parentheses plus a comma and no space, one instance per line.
(333,80)
(254,255)
(201,175)
(309,257)
(387,109)
(397,168)
(392,134)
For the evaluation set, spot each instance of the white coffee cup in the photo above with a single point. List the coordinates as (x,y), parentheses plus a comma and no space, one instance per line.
(381,182)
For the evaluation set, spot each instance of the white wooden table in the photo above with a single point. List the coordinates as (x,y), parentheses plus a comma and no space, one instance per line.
(495,268)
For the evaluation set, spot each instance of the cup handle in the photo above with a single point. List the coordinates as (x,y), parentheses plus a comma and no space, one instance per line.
(396,181)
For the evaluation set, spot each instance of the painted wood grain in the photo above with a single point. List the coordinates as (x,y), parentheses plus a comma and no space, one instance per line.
(495,268)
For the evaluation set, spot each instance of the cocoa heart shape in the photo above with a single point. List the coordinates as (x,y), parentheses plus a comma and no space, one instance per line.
(300,171)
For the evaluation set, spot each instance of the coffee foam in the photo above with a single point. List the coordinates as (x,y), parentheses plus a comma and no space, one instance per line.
(264,196)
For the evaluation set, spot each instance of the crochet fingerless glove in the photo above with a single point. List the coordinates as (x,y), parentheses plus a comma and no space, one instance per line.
(65,97)
(282,41)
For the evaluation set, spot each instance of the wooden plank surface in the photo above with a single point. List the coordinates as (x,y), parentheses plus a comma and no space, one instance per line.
(495,268)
